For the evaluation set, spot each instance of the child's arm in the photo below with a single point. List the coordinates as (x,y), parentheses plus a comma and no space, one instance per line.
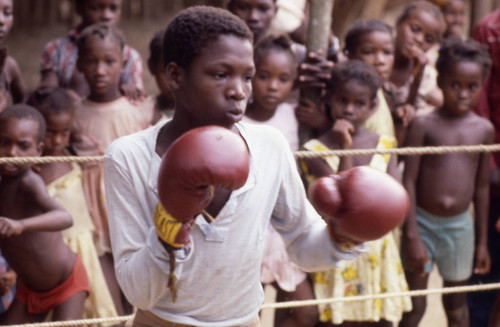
(416,253)
(481,206)
(17,86)
(341,131)
(52,218)
(392,168)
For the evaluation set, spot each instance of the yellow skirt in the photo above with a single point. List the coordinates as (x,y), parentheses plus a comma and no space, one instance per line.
(376,271)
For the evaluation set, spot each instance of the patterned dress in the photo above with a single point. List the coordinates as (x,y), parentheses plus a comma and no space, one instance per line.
(376,271)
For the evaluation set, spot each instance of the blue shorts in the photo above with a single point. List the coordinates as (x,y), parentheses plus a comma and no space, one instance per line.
(449,242)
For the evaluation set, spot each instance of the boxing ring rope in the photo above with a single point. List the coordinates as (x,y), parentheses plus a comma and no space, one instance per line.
(297,154)
(290,304)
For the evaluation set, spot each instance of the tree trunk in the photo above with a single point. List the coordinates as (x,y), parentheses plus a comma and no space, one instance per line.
(318,32)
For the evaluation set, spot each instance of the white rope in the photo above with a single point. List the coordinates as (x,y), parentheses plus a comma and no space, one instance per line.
(291,304)
(298,154)
(448,290)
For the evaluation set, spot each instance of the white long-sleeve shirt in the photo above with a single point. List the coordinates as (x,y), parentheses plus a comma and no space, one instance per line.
(218,273)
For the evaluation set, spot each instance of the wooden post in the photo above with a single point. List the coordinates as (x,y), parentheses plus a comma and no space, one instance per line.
(479,9)
(320,22)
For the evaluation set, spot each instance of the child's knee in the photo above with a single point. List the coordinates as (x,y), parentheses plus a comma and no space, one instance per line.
(419,306)
(307,316)
(457,315)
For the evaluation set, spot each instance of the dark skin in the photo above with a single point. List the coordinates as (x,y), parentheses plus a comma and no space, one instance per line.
(346,132)
(314,71)
(257,14)
(101,63)
(93,12)
(272,84)
(221,77)
(432,183)
(415,35)
(30,220)
(351,104)
(56,140)
(10,67)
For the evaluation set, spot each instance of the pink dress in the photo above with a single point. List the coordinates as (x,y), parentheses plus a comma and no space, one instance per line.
(276,265)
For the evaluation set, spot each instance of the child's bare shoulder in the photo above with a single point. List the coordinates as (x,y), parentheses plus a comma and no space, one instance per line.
(482,125)
(11,69)
(31,184)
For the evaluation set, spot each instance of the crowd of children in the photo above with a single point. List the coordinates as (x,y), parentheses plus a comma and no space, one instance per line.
(77,240)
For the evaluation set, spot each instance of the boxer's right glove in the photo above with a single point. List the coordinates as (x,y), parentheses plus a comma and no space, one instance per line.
(360,204)
(198,161)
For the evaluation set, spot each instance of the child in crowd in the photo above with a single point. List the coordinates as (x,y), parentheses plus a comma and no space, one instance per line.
(454,14)
(51,276)
(208,55)
(103,116)
(59,58)
(160,106)
(257,14)
(412,88)
(439,227)
(313,68)
(64,183)
(11,81)
(274,74)
(371,41)
(351,99)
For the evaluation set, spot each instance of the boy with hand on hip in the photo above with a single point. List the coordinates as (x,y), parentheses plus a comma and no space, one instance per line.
(440,227)
(208,55)
(51,276)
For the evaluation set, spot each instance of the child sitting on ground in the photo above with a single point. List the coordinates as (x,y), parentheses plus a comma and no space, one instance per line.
(64,183)
(274,74)
(440,228)
(59,58)
(103,116)
(51,276)
(351,99)
(11,81)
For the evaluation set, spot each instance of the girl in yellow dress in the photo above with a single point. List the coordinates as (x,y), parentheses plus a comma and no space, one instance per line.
(350,101)
(64,183)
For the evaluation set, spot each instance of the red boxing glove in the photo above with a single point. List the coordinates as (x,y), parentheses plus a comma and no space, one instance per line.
(363,203)
(198,161)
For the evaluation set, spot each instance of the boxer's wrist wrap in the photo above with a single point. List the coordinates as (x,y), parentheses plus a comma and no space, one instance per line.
(167,227)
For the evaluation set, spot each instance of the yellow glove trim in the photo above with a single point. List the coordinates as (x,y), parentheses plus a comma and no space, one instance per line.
(167,227)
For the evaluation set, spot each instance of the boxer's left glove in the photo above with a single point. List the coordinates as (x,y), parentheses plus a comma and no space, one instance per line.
(360,204)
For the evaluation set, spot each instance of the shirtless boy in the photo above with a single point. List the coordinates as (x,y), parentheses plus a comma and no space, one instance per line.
(440,227)
(51,277)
